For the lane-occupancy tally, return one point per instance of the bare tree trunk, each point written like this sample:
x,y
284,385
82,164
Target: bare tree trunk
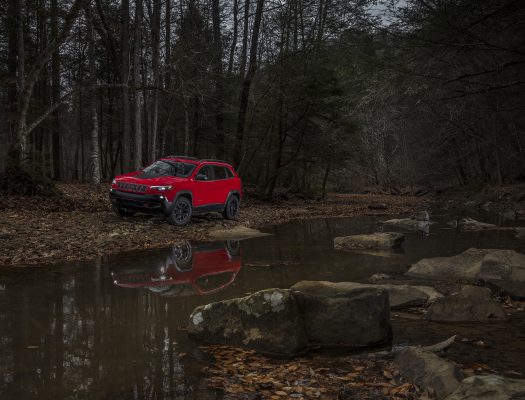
x,y
217,66
244,52
12,95
126,126
18,145
95,158
136,81
235,34
155,33
55,95
247,82
21,64
186,128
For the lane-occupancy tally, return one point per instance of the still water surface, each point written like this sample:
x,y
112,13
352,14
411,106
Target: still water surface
x,y
114,328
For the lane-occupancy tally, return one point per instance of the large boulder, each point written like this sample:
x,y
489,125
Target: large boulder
x,y
378,240
400,296
462,266
472,303
503,269
489,387
356,317
430,372
268,321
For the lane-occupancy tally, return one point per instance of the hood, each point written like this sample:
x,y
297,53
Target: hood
x,y
142,179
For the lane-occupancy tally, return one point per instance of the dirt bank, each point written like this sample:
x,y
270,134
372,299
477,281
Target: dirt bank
x,y
80,225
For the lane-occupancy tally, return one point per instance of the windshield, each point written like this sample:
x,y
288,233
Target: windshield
x,y
169,168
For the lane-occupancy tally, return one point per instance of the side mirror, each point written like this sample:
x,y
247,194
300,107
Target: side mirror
x,y
141,169
201,177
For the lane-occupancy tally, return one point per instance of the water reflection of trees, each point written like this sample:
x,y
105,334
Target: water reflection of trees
x,y
65,336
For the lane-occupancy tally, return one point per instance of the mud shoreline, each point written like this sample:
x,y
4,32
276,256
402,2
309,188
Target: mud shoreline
x,y
81,226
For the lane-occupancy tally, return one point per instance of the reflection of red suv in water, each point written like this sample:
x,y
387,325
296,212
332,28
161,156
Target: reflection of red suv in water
x,y
187,269
178,187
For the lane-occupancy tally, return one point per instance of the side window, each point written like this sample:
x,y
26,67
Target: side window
x,y
206,171
220,172
229,173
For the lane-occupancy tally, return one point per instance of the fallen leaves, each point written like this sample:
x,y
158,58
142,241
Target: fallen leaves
x,y
244,374
79,224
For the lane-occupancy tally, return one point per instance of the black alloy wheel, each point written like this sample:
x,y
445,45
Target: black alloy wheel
x,y
181,213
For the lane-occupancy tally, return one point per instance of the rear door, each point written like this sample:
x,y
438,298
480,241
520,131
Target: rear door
x,y
222,183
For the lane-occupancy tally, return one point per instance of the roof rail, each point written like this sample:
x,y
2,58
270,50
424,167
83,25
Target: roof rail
x,y
185,157
214,160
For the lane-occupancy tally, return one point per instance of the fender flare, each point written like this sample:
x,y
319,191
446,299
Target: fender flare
x,y
230,194
179,194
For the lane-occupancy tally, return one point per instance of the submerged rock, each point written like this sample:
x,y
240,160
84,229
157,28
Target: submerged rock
x,y
378,240
268,321
356,317
429,371
469,224
489,387
400,296
502,269
236,232
471,304
420,222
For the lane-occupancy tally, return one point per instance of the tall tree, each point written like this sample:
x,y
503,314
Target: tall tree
x,y
136,81
155,66
95,155
246,84
126,125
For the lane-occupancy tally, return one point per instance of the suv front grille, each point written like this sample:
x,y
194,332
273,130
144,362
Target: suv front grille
x,y
132,187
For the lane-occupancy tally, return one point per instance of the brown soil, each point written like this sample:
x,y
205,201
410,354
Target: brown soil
x,y
80,225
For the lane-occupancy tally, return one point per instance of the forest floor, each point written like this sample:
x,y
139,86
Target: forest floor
x,y
80,225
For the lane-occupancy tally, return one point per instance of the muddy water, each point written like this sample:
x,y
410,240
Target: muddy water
x,y
114,328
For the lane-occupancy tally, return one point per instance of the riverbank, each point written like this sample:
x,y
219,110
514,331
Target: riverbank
x,y
80,225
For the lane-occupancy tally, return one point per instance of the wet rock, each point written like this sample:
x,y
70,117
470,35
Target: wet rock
x,y
502,269
235,232
453,223
471,304
462,266
420,222
469,224
430,372
378,278
505,270
520,233
378,240
489,387
400,296
356,316
268,321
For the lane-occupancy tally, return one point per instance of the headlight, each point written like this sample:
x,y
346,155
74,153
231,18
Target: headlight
x,y
114,182
161,188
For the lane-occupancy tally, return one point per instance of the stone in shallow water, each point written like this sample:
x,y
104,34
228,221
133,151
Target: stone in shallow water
x,y
400,296
236,232
378,240
430,372
268,321
471,304
355,317
489,387
502,269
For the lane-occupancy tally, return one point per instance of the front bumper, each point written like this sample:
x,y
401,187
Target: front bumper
x,y
147,203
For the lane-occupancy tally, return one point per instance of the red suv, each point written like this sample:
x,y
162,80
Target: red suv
x,y
178,187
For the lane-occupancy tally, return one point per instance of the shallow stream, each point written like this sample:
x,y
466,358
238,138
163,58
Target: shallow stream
x,y
113,328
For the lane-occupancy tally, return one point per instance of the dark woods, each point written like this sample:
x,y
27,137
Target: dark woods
x,y
299,95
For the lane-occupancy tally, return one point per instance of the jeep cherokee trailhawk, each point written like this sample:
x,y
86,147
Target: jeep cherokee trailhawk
x,y
178,187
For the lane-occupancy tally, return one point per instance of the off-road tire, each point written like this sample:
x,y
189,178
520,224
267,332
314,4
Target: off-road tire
x,y
231,211
181,213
